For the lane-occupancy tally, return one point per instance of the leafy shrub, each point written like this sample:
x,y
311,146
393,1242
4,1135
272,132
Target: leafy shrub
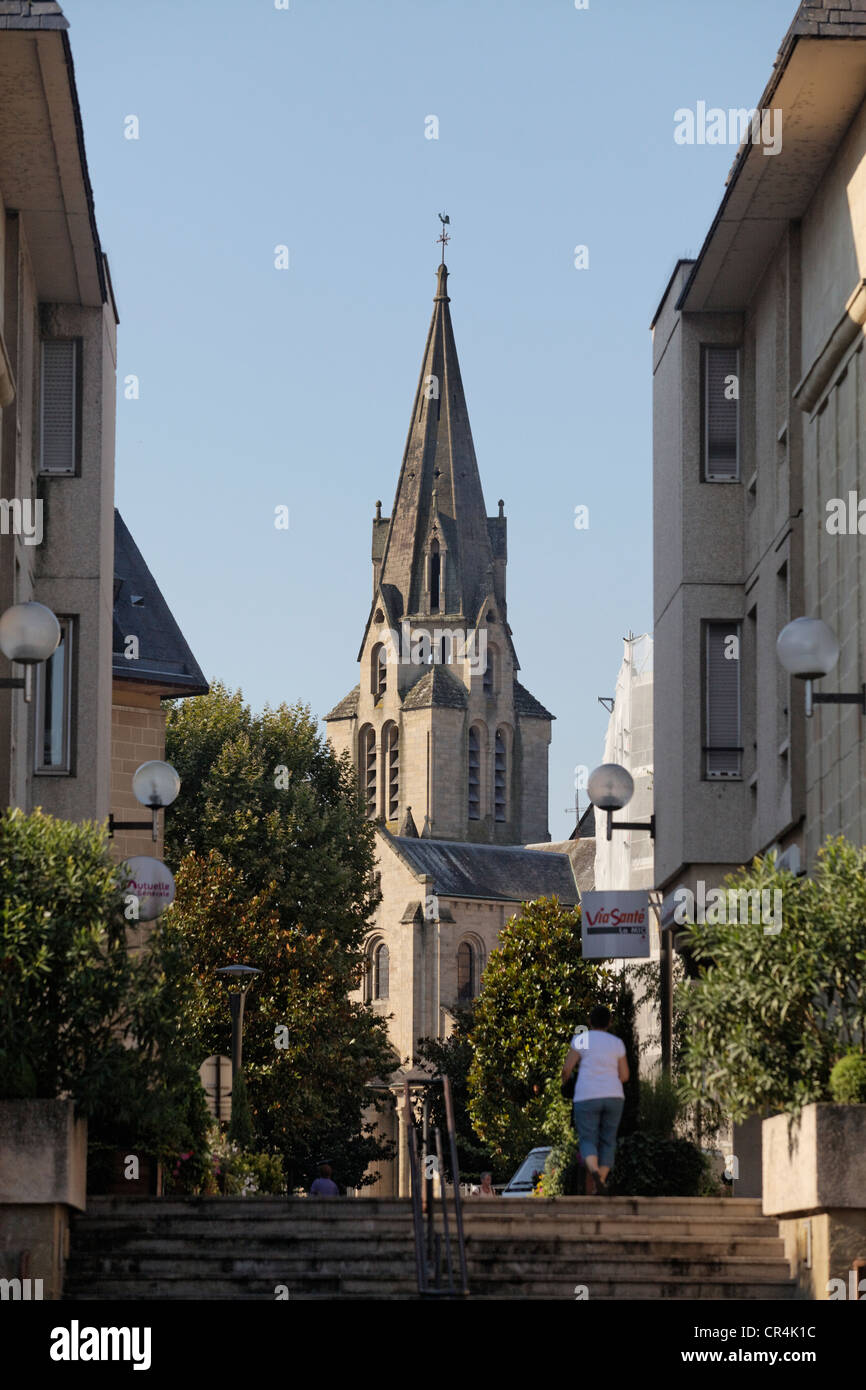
x,y
648,1166
658,1106
237,1172
848,1080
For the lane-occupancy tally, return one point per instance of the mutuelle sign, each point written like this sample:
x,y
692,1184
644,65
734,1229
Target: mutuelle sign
x,y
615,923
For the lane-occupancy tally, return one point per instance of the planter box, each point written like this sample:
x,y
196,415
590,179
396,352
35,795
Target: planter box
x,y
819,1165
43,1173
815,1183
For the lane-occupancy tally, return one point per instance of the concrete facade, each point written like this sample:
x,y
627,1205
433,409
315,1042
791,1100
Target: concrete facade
x,y
54,286
780,278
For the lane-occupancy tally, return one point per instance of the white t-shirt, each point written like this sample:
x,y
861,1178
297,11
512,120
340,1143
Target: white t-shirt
x,y
597,1074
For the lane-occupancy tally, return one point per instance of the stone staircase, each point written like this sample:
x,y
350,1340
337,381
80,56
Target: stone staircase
x,y
246,1248
603,1248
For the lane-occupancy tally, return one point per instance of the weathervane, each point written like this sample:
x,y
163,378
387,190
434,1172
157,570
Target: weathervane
x,y
444,238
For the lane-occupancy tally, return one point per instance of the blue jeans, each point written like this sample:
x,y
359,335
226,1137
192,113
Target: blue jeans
x,y
597,1122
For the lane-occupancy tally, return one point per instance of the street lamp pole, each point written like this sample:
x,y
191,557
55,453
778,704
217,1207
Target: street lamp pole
x,y
244,975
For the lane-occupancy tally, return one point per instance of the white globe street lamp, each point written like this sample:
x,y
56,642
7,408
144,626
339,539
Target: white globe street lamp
x,y
610,787
809,650
155,784
29,633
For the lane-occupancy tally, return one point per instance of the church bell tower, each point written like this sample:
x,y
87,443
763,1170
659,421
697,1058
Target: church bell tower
x,y
447,743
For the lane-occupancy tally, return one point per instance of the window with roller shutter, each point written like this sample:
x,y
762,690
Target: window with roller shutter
x,y
720,425
723,751
60,410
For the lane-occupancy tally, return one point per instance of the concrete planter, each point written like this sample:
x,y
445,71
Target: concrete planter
x,y
43,1174
814,1181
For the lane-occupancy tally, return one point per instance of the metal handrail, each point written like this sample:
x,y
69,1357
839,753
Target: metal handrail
x,y
428,1262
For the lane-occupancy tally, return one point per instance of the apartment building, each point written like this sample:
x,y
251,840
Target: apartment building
x,y
759,429
57,406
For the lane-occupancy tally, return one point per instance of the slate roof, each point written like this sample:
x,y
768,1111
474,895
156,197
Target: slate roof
x,y
502,873
527,705
437,689
826,19
348,706
585,828
31,14
140,610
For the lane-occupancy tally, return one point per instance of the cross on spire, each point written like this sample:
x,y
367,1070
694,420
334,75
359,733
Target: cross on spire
x,y
444,238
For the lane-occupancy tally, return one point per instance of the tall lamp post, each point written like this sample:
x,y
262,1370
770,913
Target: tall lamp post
x,y
243,975
29,633
610,788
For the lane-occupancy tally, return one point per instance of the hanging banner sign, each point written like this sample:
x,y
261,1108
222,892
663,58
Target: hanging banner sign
x,y
615,924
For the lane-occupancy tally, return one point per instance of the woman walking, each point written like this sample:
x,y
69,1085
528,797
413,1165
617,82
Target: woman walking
x,y
598,1095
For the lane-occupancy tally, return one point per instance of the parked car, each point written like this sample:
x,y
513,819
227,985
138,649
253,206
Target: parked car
x,y
524,1180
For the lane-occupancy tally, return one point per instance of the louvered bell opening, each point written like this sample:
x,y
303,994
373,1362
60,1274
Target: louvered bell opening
x,y
393,775
369,766
723,752
59,396
474,776
499,779
721,414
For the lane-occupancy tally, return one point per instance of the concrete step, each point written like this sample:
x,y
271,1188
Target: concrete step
x,y
619,1270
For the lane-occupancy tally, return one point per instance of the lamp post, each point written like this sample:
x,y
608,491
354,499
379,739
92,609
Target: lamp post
x,y
155,784
809,650
29,633
610,788
244,975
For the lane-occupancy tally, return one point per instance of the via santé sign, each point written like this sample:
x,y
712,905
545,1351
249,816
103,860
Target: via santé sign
x,y
615,924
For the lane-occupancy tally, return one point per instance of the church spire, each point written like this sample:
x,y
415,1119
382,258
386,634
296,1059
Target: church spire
x,y
437,553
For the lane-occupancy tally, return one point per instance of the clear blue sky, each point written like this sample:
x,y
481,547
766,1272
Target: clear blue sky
x,y
262,387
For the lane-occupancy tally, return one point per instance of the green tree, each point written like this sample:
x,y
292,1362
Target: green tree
x,y
537,989
772,1011
276,870
81,1015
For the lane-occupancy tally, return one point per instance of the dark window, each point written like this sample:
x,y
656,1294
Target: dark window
x,y
435,574
379,671
381,971
722,745
54,707
721,414
466,986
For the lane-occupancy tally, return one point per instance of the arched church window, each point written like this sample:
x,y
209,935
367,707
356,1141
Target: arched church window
x,y
467,973
474,774
490,671
381,971
391,741
435,576
379,670
500,777
367,768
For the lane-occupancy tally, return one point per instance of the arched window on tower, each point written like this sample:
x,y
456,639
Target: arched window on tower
x,y
474,774
435,576
367,768
467,973
500,777
381,971
391,745
490,671
378,670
